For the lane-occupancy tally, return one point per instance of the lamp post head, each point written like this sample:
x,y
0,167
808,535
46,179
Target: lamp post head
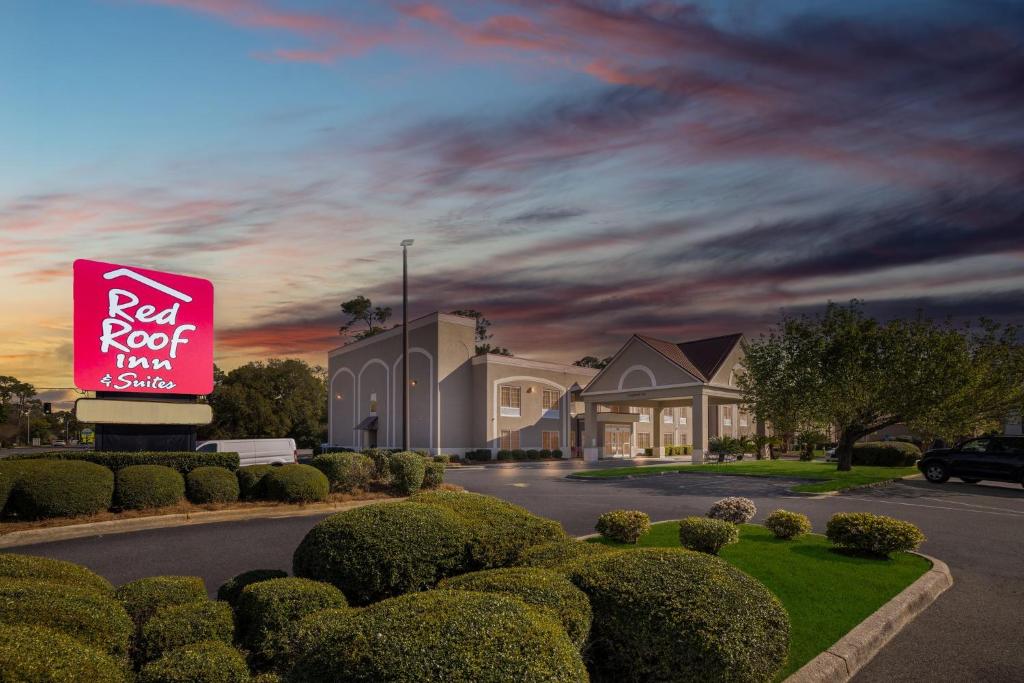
x,y
406,243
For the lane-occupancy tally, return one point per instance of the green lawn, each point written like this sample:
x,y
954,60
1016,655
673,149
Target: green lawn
x,y
828,478
825,593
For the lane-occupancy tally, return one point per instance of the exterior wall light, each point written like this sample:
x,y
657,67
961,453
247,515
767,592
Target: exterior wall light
x,y
412,383
339,396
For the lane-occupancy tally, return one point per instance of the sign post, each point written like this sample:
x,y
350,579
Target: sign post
x,y
143,342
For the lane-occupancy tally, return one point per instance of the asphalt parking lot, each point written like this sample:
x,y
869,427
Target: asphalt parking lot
x,y
971,633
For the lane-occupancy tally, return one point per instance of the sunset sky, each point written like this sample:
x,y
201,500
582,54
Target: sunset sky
x,y
577,170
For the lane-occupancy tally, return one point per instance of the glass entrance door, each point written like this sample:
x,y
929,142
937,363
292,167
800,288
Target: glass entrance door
x,y
617,441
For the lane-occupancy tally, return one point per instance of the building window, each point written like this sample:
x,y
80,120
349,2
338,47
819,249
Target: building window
x,y
743,420
643,439
682,420
509,439
646,414
668,440
373,404
667,417
550,403
511,401
727,416
549,441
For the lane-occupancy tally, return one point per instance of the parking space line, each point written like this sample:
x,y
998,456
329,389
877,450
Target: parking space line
x,y
1006,513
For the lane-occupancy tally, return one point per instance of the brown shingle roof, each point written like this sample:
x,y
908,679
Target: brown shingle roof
x,y
702,358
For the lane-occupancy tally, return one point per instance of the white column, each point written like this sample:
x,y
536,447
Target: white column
x,y
659,451
735,420
591,448
700,426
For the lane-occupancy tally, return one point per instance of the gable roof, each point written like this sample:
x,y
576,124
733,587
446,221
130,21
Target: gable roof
x,y
702,358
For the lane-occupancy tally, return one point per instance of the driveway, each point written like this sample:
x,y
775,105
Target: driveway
x,y
971,633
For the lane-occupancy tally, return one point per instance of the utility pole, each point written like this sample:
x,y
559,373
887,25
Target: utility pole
x,y
405,343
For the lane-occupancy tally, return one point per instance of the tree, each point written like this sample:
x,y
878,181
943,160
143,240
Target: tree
x,y
276,398
13,388
482,333
593,362
851,371
362,310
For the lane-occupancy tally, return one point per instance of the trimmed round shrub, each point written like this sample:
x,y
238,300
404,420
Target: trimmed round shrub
x,y
379,551
296,484
500,531
16,566
544,589
266,611
559,555
624,526
433,475
441,635
671,615
208,662
211,485
733,509
345,471
232,588
787,525
872,534
707,535
34,654
144,597
250,481
60,488
177,625
381,463
886,453
149,486
80,612
407,472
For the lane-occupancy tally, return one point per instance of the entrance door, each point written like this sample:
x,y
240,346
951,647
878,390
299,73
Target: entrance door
x,y
617,441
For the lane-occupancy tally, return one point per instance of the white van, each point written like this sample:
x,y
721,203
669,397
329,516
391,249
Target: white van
x,y
255,451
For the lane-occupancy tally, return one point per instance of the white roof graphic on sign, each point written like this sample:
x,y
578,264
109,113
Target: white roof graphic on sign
x,y
124,272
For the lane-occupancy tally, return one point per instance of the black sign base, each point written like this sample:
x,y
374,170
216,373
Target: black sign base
x,y
137,438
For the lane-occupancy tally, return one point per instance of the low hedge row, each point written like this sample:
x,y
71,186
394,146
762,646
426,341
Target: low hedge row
x,y
670,450
183,461
528,454
32,654
886,453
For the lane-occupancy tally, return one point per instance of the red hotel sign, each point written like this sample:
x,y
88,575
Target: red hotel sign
x,y
142,330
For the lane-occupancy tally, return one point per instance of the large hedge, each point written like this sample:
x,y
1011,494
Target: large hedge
x,y
441,635
144,597
675,615
872,534
149,486
501,532
206,662
267,611
173,626
183,461
15,566
34,654
561,555
407,472
346,471
886,453
296,484
383,550
211,485
80,612
544,589
250,481
232,588
53,488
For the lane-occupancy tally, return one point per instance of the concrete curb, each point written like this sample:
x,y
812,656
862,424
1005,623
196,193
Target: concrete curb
x,y
847,656
123,526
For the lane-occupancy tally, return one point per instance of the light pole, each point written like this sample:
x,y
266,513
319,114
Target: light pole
x,y
405,343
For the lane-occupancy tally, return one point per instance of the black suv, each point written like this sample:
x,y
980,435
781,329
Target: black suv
x,y
998,458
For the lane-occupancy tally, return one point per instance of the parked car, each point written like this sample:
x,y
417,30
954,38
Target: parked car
x,y
255,451
60,444
830,454
995,458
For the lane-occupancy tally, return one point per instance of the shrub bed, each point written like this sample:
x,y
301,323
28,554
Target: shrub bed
x,y
656,620
559,555
296,484
787,525
14,566
624,526
482,455
546,590
144,597
209,662
211,485
6,484
345,471
82,613
183,461
872,534
382,550
381,463
500,531
250,481
441,636
407,472
177,625
707,535
433,475
886,453
34,654
733,509
232,588
149,486
266,611
53,488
